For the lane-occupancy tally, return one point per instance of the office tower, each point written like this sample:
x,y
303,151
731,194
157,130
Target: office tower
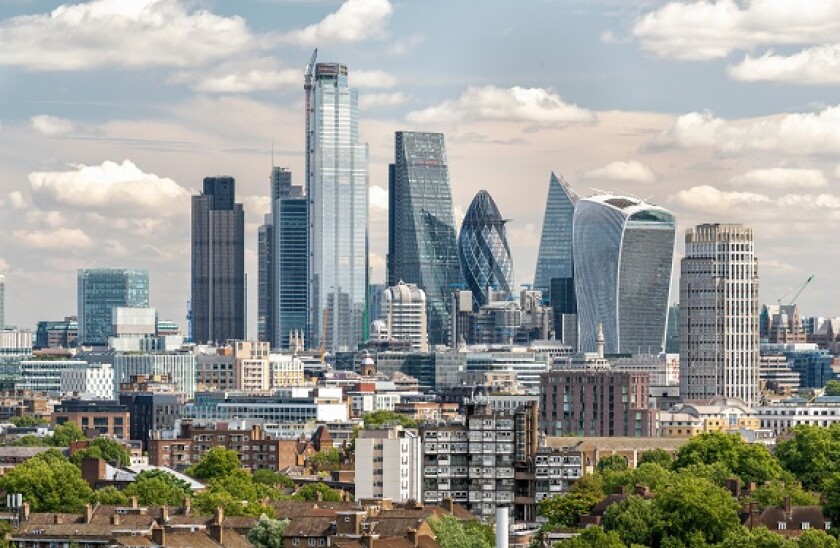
x,y
622,249
99,291
404,308
564,306
483,250
337,189
719,344
2,301
555,256
266,279
672,332
218,263
421,226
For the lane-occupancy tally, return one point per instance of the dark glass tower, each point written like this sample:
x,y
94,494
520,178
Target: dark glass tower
x,y
265,282
99,291
291,261
555,256
218,263
422,246
483,250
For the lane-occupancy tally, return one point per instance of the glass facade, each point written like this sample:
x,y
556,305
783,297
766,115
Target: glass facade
x,y
555,256
99,292
623,249
422,246
265,280
483,250
337,188
291,265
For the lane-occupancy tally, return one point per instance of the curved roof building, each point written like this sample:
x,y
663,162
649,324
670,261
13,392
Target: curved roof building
x,y
483,250
623,250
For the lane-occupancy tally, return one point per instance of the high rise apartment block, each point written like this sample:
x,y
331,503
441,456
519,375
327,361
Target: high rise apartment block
x,y
405,315
719,331
218,263
100,291
389,464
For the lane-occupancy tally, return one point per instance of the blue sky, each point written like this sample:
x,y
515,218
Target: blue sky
x,y
113,110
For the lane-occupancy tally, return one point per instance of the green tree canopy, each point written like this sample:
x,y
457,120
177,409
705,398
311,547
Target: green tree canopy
x,y
566,510
49,483
311,490
692,505
657,456
615,463
750,462
757,538
453,533
25,421
67,433
105,449
158,487
216,463
326,458
635,520
273,479
384,417
208,500
811,454
268,533
593,536
31,440
110,495
832,388
815,538
773,493
832,495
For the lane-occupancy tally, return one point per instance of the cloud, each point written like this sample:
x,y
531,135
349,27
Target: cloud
x,y
702,30
401,47
378,198
631,171
810,201
135,34
109,187
248,80
16,200
59,238
512,104
353,21
810,133
368,101
779,177
819,65
372,79
52,126
709,199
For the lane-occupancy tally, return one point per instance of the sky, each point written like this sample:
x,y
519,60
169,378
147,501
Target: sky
x,y
113,111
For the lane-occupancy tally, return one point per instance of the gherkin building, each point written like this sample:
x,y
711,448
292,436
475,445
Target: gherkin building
x,y
483,250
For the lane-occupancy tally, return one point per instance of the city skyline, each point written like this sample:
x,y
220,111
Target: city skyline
x,y
512,107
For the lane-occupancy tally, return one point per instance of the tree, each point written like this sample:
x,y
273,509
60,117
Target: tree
x,y
612,462
773,493
832,495
566,510
217,462
27,421
816,538
384,417
158,487
593,536
750,462
208,500
273,479
105,449
635,520
5,529
30,440
67,433
657,456
832,388
311,490
268,533
451,533
811,454
49,483
760,537
692,505
325,458
110,495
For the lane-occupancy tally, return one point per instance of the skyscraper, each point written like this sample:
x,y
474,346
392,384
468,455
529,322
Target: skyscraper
x,y
337,189
2,301
290,257
483,250
218,263
555,256
719,342
266,279
422,246
623,249
99,291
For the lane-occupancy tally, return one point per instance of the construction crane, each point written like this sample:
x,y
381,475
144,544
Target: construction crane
x,y
798,291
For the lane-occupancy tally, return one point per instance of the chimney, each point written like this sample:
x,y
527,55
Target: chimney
x,y
24,511
187,505
787,507
449,504
88,513
319,497
58,519
220,515
754,515
159,535
215,529
366,540
164,513
642,491
115,519
733,485
502,526
411,535
133,501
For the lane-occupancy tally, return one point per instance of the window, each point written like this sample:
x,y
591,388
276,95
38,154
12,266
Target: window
x,y
806,525
782,526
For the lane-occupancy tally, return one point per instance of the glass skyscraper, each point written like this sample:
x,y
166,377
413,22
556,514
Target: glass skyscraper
x,y
291,262
422,247
623,249
555,256
337,189
483,250
218,263
99,291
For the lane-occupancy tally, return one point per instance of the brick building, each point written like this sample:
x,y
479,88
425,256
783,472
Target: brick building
x,y
95,417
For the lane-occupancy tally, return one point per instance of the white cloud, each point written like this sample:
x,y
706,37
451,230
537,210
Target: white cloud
x,y
52,126
401,47
244,81
369,101
353,21
59,238
512,104
109,187
256,208
135,33
631,171
817,65
702,30
709,199
372,79
16,200
377,198
810,133
779,177
810,201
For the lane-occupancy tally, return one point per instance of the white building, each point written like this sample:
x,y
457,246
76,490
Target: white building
x,y
404,308
95,381
44,375
179,366
784,416
527,366
389,464
719,314
15,342
129,326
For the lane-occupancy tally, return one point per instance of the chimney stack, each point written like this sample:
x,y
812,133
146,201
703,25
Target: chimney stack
x,y
502,526
787,507
133,501
159,535
88,513
187,505
115,519
164,513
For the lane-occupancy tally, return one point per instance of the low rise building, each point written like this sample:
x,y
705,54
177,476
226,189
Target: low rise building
x,y
717,415
94,381
782,417
95,417
290,405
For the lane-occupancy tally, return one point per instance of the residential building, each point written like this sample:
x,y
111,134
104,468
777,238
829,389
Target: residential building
x,y
404,313
337,190
180,367
719,335
422,246
94,381
389,464
100,290
484,253
95,417
217,310
623,249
